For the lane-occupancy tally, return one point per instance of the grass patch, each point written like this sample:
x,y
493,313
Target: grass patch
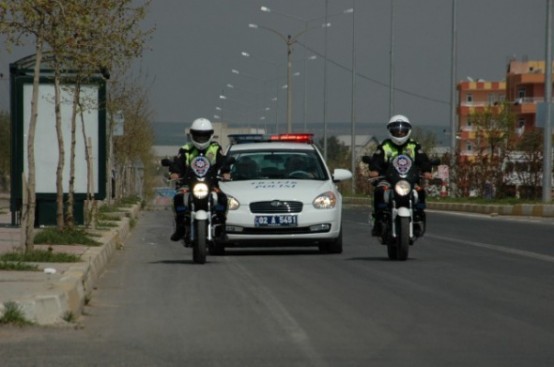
x,y
103,216
129,200
53,236
40,256
108,209
106,225
69,317
18,265
13,315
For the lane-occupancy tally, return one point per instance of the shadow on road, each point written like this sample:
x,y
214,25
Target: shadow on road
x,y
271,252
174,262
374,258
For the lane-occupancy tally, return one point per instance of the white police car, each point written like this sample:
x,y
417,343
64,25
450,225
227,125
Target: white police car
x,y
282,194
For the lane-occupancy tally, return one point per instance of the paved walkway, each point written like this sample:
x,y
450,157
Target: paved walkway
x,y
58,290
9,236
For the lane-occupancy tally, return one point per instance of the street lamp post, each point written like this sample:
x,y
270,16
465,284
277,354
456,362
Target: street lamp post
x,y
289,41
276,79
248,55
304,116
453,125
353,104
391,61
547,160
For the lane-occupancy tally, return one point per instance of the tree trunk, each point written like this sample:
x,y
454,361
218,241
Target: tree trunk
x,y
70,221
29,221
61,152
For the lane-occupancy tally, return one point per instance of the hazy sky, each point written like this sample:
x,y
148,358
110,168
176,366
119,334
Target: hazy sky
x,y
198,42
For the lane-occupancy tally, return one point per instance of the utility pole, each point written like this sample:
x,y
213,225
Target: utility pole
x,y
547,160
453,125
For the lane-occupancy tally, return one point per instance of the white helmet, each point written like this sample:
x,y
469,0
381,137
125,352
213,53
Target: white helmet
x,y
399,128
201,133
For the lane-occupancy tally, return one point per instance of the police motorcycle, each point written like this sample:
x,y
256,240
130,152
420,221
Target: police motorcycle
x,y
202,225
403,219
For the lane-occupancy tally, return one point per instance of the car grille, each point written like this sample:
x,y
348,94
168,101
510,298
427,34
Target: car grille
x,y
276,206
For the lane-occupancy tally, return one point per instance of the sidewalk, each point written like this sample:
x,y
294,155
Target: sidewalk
x,y
52,296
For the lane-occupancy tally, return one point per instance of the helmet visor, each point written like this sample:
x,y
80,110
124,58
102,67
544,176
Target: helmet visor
x,y
201,136
399,129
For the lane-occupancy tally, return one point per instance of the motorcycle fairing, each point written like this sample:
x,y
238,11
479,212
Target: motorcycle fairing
x,y
200,165
402,163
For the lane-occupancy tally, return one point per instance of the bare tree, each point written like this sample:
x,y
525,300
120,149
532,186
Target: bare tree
x,y
103,34
525,164
494,129
133,101
19,19
84,36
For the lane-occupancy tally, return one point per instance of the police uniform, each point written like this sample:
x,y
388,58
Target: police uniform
x,y
180,165
381,159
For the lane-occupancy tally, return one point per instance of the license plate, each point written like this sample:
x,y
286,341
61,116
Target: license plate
x,y
275,220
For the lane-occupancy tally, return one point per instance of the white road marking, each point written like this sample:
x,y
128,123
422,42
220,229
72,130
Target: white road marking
x,y
506,250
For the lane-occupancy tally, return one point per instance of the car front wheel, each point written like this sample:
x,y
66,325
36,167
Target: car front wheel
x,y
334,247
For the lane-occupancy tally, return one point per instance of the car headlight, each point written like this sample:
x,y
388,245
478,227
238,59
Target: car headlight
x,y
232,203
327,200
200,190
402,187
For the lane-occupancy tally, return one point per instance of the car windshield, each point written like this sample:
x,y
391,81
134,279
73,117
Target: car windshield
x,y
275,164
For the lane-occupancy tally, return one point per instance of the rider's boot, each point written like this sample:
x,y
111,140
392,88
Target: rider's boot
x,y
377,229
179,227
419,222
221,219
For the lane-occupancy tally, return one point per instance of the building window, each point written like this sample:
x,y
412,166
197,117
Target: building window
x,y
521,93
469,147
492,99
469,98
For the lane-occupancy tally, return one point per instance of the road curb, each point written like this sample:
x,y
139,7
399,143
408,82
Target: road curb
x,y
64,296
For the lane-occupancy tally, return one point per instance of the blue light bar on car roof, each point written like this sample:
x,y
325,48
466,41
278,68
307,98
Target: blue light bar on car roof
x,y
245,138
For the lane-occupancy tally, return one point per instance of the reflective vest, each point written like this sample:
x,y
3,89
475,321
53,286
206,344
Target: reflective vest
x,y
191,152
392,150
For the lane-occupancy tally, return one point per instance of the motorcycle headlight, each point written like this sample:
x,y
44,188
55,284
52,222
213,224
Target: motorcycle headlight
x,y
327,200
402,187
200,190
232,203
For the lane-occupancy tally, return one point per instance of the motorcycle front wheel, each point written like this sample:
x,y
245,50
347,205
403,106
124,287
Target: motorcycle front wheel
x,y
399,247
200,243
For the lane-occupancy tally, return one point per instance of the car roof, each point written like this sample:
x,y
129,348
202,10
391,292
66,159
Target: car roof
x,y
271,146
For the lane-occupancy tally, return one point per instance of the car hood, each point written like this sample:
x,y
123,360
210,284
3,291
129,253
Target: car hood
x,y
266,190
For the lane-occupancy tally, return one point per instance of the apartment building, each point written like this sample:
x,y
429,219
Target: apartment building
x,y
474,97
523,89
